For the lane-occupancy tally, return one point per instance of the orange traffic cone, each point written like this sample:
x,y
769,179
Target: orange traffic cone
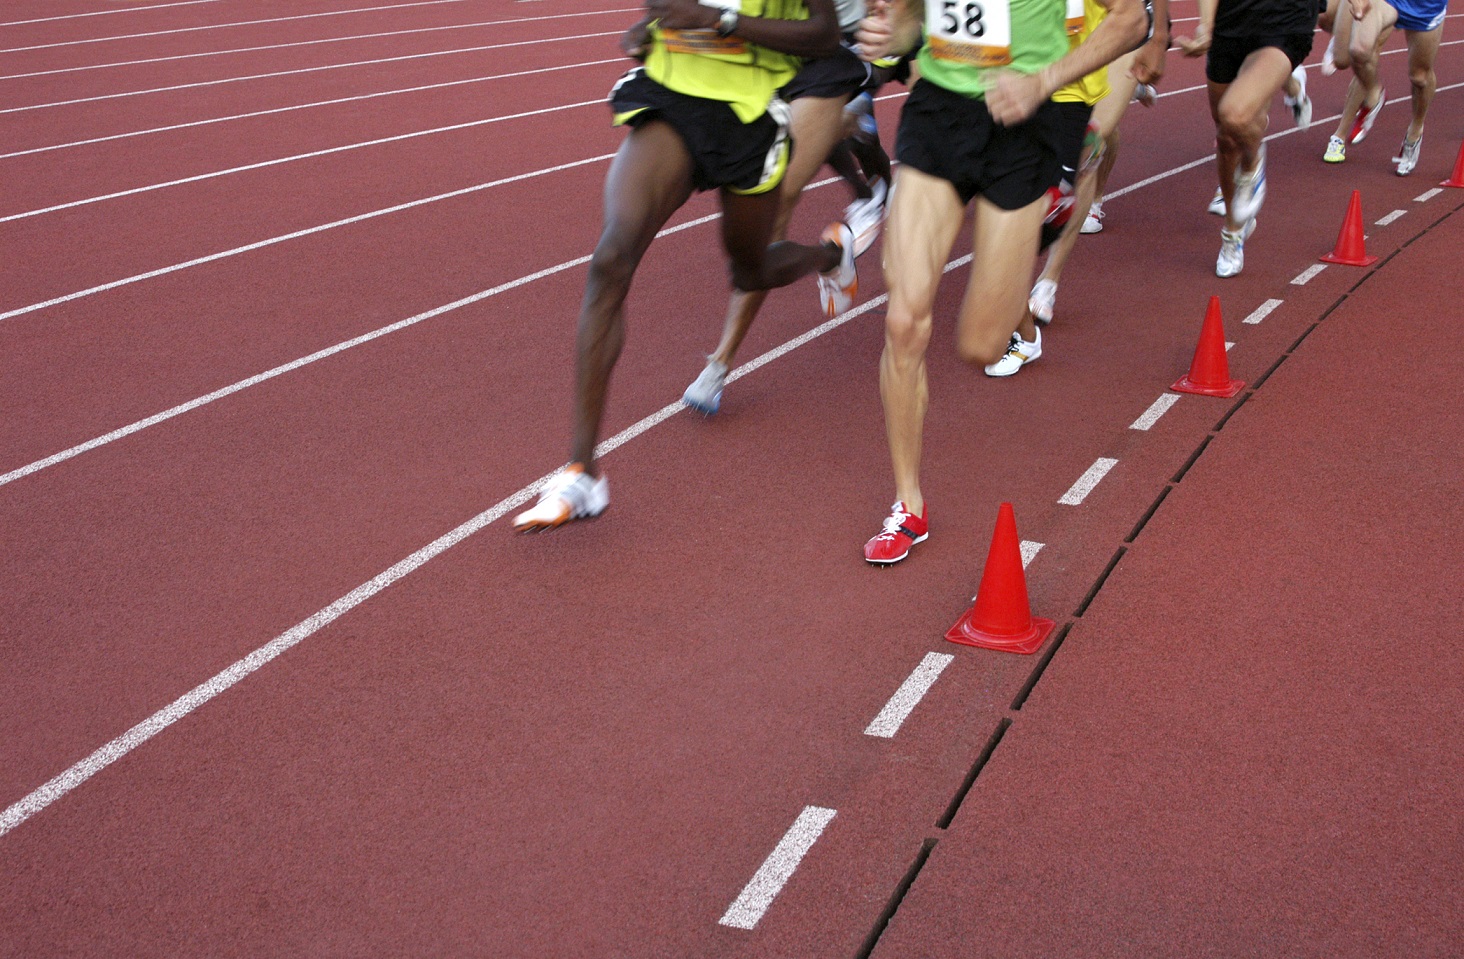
x,y
1001,618
1458,178
1209,372
1351,250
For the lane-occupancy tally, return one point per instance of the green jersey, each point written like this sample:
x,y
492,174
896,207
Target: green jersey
x,y
743,75
966,39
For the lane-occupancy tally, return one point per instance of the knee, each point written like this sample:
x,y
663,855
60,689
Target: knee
x,y
981,350
1231,125
614,261
907,334
1422,78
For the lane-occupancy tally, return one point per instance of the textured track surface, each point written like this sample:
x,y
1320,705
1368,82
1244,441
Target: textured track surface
x,y
588,742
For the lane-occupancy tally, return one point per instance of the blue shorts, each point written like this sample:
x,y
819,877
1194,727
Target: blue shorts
x,y
1420,16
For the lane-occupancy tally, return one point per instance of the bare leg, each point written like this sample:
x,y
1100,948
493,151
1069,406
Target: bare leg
x,y
1368,36
1423,49
648,181
1239,109
925,216
816,126
1003,255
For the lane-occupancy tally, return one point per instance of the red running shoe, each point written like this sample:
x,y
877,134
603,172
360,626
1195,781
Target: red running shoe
x,y
902,530
1366,117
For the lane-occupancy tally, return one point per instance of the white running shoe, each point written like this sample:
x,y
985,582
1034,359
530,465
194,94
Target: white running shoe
x,y
1250,190
1145,94
1232,250
837,287
571,494
1217,203
1019,353
1094,221
865,217
1407,157
705,393
1301,105
1042,300
1329,62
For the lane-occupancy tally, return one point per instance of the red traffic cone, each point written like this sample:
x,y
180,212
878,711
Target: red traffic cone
x,y
1000,618
1350,249
1209,372
1458,178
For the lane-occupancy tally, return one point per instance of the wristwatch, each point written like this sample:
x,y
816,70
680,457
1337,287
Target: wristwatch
x,y
727,22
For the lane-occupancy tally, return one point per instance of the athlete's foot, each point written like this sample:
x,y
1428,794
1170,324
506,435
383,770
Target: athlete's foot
x,y
1093,223
1019,353
1329,61
1044,297
1407,157
1301,105
902,530
1217,203
571,494
1367,116
705,393
1250,190
1232,250
1336,150
838,286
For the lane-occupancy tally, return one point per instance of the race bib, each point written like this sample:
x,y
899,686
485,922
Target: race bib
x,y
977,33
705,42
1074,17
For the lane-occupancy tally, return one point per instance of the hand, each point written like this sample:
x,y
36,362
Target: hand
x,y
1148,65
1013,97
683,14
633,42
1197,45
875,34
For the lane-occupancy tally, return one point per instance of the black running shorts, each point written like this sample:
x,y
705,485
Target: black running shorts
x,y
1222,64
745,158
841,74
947,135
1072,131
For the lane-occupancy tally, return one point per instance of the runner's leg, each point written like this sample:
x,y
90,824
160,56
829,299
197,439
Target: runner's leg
x,y
1004,252
649,179
1423,50
925,216
1240,109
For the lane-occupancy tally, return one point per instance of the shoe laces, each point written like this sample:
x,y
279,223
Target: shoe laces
x,y
893,522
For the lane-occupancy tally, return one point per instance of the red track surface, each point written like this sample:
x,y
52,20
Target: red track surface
x,y
587,743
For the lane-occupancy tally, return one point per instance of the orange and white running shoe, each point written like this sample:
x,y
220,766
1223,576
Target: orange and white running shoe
x,y
571,494
838,286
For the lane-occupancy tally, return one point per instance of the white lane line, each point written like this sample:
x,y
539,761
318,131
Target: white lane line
x,y
1308,274
103,13
1391,217
1428,195
908,696
1262,311
329,351
280,46
308,231
290,109
79,773
290,73
777,869
302,16
1156,409
1229,347
1087,482
1030,550
265,164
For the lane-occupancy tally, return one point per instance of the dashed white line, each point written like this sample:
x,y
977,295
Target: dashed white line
x,y
1229,347
908,696
1030,551
1306,275
1087,482
1262,311
1428,195
777,869
1391,217
1156,409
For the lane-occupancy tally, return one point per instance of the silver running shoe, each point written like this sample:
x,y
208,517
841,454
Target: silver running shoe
x,y
1407,157
1250,190
1217,203
705,394
1232,250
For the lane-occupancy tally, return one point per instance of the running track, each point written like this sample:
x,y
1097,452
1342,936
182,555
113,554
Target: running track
x,y
287,323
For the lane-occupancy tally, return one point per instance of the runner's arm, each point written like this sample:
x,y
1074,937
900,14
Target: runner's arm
x,y
1197,45
1148,65
891,29
818,36
1014,97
